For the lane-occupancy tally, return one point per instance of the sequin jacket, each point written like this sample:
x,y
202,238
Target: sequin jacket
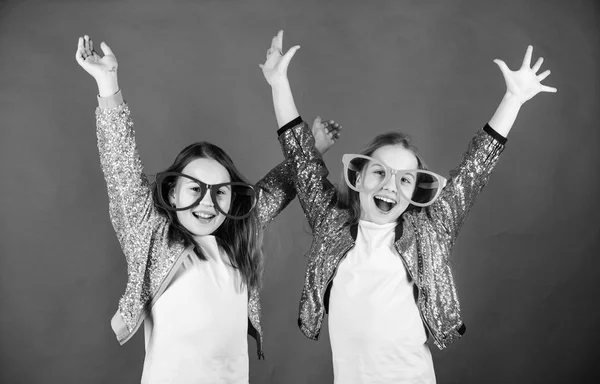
x,y
423,239
142,230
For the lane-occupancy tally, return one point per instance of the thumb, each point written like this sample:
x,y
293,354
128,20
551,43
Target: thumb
x,y
106,49
502,65
285,60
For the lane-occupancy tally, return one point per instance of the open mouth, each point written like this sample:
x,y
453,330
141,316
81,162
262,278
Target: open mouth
x,y
385,204
204,217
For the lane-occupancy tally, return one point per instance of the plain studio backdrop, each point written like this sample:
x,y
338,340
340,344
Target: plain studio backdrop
x,y
526,262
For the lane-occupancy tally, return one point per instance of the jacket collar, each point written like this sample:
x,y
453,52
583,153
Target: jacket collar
x,y
398,230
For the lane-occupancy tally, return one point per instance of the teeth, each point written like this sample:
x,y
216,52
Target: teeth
x,y
386,199
204,215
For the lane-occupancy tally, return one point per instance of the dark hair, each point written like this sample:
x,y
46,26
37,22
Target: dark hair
x,y
240,239
348,198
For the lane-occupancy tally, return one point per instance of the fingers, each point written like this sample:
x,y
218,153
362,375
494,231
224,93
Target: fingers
x,y
106,49
79,53
279,41
548,89
537,65
543,75
503,67
86,45
276,44
527,58
334,129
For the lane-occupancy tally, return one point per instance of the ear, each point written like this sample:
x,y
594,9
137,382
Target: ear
x,y
172,196
358,180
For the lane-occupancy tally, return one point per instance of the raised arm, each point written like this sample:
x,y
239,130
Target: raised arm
x,y
131,208
469,178
276,189
315,192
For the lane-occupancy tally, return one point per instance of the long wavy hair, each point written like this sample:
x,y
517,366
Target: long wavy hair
x,y
349,199
240,239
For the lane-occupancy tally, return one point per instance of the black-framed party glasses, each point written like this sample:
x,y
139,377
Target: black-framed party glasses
x,y
240,197
418,186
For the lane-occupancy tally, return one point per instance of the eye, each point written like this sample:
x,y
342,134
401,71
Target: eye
x,y
406,180
196,189
222,191
379,172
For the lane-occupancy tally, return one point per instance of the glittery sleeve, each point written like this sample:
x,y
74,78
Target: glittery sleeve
x,y
131,208
466,182
276,191
315,192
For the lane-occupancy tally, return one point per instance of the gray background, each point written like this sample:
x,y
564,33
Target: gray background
x,y
526,263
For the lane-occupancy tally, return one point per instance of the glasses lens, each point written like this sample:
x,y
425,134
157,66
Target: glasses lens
x,y
427,187
364,174
189,191
234,200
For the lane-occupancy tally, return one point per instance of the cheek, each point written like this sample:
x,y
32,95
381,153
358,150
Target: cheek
x,y
408,190
184,198
371,181
219,222
224,203
185,219
401,207
365,202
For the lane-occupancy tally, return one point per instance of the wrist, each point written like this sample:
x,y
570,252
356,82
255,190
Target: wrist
x,y
281,85
108,85
512,100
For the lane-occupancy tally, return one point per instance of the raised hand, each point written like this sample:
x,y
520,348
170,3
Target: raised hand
x,y
325,133
524,83
102,69
276,65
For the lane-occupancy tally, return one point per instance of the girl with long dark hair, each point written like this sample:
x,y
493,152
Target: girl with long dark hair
x,y
192,241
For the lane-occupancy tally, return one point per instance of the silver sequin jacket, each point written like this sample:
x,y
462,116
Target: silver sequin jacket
x,y
423,240
142,230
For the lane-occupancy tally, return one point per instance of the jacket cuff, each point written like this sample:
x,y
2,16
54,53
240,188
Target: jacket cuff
x,y
498,137
290,125
111,101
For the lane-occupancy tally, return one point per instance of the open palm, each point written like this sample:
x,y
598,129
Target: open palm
x,y
91,61
524,83
276,65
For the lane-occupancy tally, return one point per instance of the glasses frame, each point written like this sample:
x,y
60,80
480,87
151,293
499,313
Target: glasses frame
x,y
213,188
346,158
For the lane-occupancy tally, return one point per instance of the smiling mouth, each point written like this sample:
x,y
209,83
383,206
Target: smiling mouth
x,y
384,204
204,216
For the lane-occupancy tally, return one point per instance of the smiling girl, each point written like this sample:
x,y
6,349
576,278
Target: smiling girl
x,y
192,241
379,260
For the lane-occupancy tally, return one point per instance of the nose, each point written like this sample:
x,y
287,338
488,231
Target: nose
x,y
390,185
207,199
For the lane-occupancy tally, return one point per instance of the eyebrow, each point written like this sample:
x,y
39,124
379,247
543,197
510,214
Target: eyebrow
x,y
193,180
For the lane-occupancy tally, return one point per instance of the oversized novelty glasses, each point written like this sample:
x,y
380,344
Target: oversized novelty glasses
x,y
235,200
366,174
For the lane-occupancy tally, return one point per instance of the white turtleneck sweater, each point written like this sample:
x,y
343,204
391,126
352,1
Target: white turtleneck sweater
x,y
197,329
376,332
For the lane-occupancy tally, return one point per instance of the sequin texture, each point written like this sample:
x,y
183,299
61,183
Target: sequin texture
x,y
424,243
142,230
